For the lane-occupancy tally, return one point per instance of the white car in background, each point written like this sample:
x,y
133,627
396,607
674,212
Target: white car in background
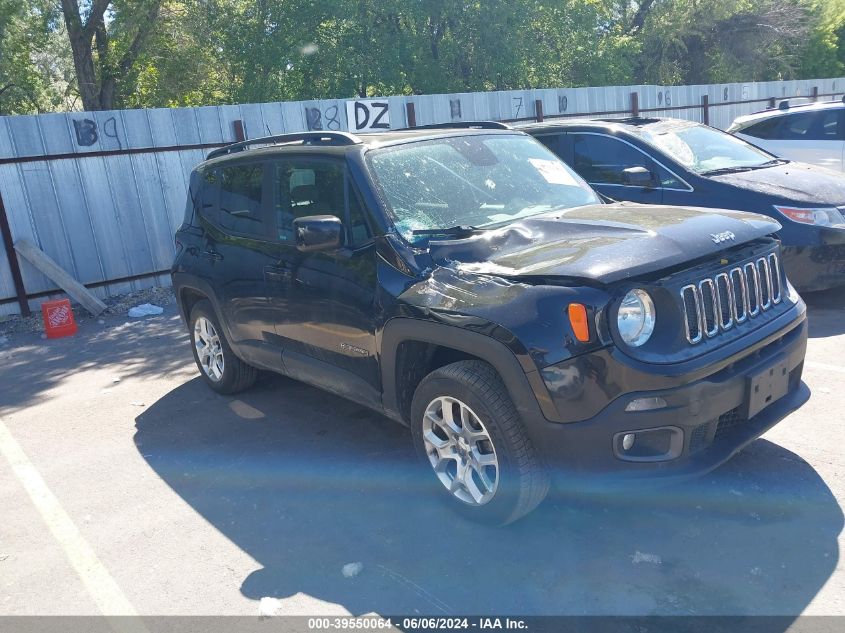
x,y
807,132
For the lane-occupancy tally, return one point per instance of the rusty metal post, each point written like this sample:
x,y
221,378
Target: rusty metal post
x,y
239,130
412,114
538,108
705,109
12,256
635,104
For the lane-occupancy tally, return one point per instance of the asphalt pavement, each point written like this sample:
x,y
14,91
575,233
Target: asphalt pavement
x,y
127,486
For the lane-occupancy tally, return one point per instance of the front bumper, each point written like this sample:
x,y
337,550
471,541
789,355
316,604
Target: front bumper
x,y
710,414
819,266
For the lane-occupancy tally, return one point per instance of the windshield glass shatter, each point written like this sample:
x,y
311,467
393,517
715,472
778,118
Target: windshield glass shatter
x,y
703,149
479,181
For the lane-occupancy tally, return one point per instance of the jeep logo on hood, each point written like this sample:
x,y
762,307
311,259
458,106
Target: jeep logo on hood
x,y
726,236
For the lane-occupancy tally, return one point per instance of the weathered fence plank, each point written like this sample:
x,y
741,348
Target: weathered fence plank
x,y
66,282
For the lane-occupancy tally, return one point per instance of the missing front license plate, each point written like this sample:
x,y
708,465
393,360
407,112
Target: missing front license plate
x,y
767,386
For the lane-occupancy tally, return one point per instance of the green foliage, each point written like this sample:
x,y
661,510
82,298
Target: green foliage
x,y
825,55
197,52
33,64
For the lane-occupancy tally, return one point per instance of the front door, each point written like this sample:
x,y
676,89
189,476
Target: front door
x,y
324,303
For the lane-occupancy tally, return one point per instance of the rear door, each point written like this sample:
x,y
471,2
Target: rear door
x,y
323,303
238,247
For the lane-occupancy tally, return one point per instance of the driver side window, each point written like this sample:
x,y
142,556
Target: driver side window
x,y
309,187
601,160
305,188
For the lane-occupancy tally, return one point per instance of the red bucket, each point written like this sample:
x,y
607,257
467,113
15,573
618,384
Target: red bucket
x,y
58,318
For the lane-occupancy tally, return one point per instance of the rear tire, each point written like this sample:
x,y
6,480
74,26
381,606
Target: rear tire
x,y
470,437
221,369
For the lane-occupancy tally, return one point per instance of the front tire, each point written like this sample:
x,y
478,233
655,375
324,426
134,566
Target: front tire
x,y
469,435
220,368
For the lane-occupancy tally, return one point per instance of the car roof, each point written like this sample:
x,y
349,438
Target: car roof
x,y
789,109
335,143
630,124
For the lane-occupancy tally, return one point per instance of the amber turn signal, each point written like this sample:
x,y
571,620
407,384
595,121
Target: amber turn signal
x,y
578,319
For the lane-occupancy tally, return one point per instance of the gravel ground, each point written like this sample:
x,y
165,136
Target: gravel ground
x,y
117,306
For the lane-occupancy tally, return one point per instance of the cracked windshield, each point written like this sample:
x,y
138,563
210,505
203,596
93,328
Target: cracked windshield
x,y
480,181
705,150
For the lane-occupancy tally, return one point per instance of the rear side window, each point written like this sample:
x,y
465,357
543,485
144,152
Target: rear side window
x,y
797,127
602,160
240,208
210,195
823,125
192,204
766,129
552,141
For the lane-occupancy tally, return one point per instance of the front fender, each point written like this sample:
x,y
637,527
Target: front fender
x,y
518,372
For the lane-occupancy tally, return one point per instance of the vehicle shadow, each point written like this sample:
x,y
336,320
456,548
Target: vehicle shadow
x,y
826,311
307,483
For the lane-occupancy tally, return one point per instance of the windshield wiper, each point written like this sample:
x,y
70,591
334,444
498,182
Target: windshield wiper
x,y
739,168
461,230
774,161
726,170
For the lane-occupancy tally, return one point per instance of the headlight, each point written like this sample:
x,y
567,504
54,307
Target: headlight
x,y
635,318
821,216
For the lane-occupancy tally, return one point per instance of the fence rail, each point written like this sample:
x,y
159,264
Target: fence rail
x,y
103,192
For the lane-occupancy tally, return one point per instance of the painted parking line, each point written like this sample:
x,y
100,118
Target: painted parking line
x,y
94,575
814,365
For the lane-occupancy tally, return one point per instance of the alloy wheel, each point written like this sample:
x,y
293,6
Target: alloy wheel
x,y
209,349
460,450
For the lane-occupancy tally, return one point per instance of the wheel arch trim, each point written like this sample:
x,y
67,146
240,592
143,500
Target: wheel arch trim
x,y
203,288
526,388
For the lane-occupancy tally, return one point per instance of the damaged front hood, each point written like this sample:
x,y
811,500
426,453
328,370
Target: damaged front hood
x,y
602,243
795,182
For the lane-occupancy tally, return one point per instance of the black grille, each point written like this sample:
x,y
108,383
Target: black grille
x,y
775,278
765,288
725,300
729,421
715,304
698,438
752,281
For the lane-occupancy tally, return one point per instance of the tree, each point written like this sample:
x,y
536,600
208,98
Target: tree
x,y
105,46
32,67
710,41
160,53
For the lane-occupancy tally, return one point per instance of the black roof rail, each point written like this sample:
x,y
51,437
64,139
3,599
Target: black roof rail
x,y
307,138
471,125
793,102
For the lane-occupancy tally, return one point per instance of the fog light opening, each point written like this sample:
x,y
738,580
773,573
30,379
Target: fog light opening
x,y
649,445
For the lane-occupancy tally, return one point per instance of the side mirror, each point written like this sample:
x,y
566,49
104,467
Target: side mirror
x,y
638,177
318,233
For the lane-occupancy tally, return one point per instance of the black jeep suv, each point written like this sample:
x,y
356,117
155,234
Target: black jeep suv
x,y
468,284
